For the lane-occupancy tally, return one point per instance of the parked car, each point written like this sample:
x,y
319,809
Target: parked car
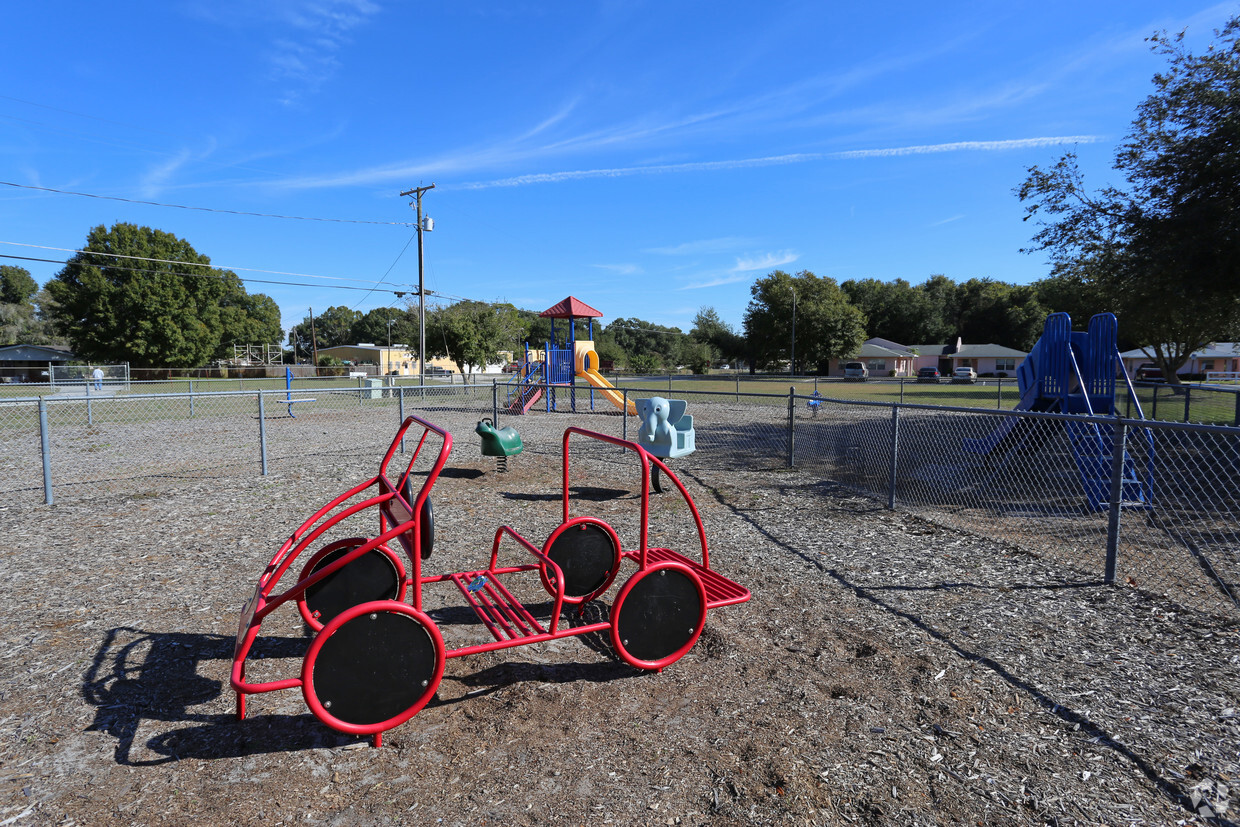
x,y
1149,372
511,367
964,374
436,369
927,374
856,370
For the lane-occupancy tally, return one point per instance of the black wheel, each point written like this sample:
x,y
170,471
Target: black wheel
x,y
373,667
587,551
658,615
426,523
376,575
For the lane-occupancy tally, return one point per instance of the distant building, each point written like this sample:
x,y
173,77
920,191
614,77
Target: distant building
x,y
1216,357
881,356
31,363
988,359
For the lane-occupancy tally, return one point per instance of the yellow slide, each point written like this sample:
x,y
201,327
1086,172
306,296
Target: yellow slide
x,y
606,388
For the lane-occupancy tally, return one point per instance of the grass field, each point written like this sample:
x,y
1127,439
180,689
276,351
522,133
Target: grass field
x,y
1166,403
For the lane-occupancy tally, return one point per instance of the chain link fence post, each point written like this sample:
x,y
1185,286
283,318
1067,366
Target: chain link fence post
x,y
792,391
1118,445
262,433
191,399
45,444
999,395
624,416
1188,392
401,413
738,390
895,457
495,402
90,410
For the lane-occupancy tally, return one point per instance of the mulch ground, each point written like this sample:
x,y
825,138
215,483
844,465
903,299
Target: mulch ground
x,y
888,670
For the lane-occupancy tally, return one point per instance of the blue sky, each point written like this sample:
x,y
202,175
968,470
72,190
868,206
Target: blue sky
x,y
650,158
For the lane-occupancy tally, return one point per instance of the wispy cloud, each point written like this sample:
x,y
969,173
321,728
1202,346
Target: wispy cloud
x,y
306,35
766,261
654,169
966,146
717,281
159,176
943,221
743,269
778,160
702,247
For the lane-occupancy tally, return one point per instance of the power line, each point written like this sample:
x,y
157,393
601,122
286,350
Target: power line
x,y
202,275
389,269
206,209
173,261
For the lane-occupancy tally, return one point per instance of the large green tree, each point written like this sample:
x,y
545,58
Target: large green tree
x,y
828,326
724,342
147,297
16,285
21,317
472,333
647,346
1162,251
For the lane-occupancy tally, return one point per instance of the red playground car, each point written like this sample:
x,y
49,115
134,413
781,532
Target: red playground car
x,y
376,658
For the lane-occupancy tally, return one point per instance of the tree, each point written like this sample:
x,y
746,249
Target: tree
x,y
710,329
16,285
1164,251
472,333
655,346
147,297
827,325
20,320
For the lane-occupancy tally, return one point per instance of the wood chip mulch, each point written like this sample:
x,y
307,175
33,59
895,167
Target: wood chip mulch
x,y
888,670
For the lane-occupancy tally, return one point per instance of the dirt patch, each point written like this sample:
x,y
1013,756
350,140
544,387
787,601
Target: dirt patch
x,y
887,671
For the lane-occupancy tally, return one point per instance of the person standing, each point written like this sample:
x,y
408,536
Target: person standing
x,y
98,376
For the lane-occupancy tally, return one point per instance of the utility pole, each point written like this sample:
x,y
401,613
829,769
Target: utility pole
x,y
416,192
314,345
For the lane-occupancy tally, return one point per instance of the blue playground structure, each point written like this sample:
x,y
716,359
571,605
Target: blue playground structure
x,y
1075,373
563,365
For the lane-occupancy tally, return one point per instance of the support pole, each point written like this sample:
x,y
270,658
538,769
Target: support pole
x,y
1118,441
402,416
45,444
262,433
792,392
893,465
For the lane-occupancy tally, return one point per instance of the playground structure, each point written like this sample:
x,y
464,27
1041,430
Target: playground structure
x,y
1075,373
376,657
562,365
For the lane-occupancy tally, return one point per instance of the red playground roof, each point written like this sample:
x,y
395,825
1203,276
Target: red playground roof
x,y
571,308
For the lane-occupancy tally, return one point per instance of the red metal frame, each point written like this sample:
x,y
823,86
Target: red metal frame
x,y
508,621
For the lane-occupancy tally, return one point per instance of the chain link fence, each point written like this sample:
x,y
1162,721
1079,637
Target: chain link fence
x,y
1151,505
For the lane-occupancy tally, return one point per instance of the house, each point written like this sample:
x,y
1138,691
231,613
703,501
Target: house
x,y
1215,357
881,356
988,359
31,363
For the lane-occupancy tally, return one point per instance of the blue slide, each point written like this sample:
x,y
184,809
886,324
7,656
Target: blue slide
x,y
1075,373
